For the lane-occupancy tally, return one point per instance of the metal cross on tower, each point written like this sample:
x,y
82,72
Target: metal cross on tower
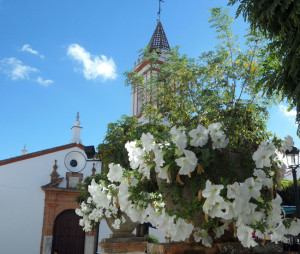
x,y
159,8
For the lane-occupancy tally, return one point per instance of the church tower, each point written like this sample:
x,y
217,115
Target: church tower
x,y
159,42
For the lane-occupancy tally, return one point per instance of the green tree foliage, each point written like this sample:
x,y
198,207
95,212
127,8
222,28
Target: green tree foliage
x,y
112,149
279,20
287,192
218,86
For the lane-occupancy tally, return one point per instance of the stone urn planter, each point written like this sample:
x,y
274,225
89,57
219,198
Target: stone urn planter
x,y
125,229
122,240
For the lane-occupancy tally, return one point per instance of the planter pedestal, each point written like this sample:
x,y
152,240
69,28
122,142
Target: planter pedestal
x,y
136,245
218,248
179,248
122,240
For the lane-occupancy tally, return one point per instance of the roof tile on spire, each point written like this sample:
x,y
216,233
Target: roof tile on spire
x,y
159,39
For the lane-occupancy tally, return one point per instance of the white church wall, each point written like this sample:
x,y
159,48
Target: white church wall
x,y
22,199
104,232
290,176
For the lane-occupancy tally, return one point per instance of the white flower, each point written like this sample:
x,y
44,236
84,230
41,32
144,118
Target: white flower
x,y
218,136
130,146
99,196
224,210
115,173
144,169
261,158
238,204
215,129
233,190
262,178
85,208
158,156
216,209
149,215
249,215
182,230
274,216
244,234
294,228
123,196
219,231
251,188
137,157
204,236
279,233
179,138
165,222
96,214
78,212
212,192
93,187
134,214
199,136
86,224
163,172
287,144
107,214
219,141
188,163
148,141
262,155
197,236
116,223
89,200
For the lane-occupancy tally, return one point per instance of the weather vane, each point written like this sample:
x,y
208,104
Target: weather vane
x,y
159,9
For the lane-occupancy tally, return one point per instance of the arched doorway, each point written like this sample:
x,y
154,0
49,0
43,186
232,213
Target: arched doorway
x,y
68,236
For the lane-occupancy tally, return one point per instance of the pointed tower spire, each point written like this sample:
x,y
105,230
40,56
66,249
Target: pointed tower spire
x,y
159,42
76,129
159,39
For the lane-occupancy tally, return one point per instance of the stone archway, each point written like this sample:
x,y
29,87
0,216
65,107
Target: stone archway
x,y
57,200
68,236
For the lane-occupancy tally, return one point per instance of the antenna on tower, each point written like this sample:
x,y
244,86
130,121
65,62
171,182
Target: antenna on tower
x,y
159,9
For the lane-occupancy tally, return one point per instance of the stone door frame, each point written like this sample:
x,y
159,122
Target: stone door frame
x,y
58,200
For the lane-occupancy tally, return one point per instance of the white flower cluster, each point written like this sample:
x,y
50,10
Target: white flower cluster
x,y
101,203
154,214
218,136
200,136
84,212
140,157
239,208
243,204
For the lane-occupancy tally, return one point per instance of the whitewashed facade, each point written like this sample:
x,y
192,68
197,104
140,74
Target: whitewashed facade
x,y
22,195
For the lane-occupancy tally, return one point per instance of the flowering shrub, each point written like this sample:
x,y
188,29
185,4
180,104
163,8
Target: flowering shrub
x,y
101,203
202,179
191,195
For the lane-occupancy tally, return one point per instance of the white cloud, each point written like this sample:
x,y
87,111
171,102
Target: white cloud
x,y
291,113
93,66
43,82
15,69
27,48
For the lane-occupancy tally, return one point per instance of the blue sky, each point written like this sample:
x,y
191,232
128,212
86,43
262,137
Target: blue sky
x,y
61,57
